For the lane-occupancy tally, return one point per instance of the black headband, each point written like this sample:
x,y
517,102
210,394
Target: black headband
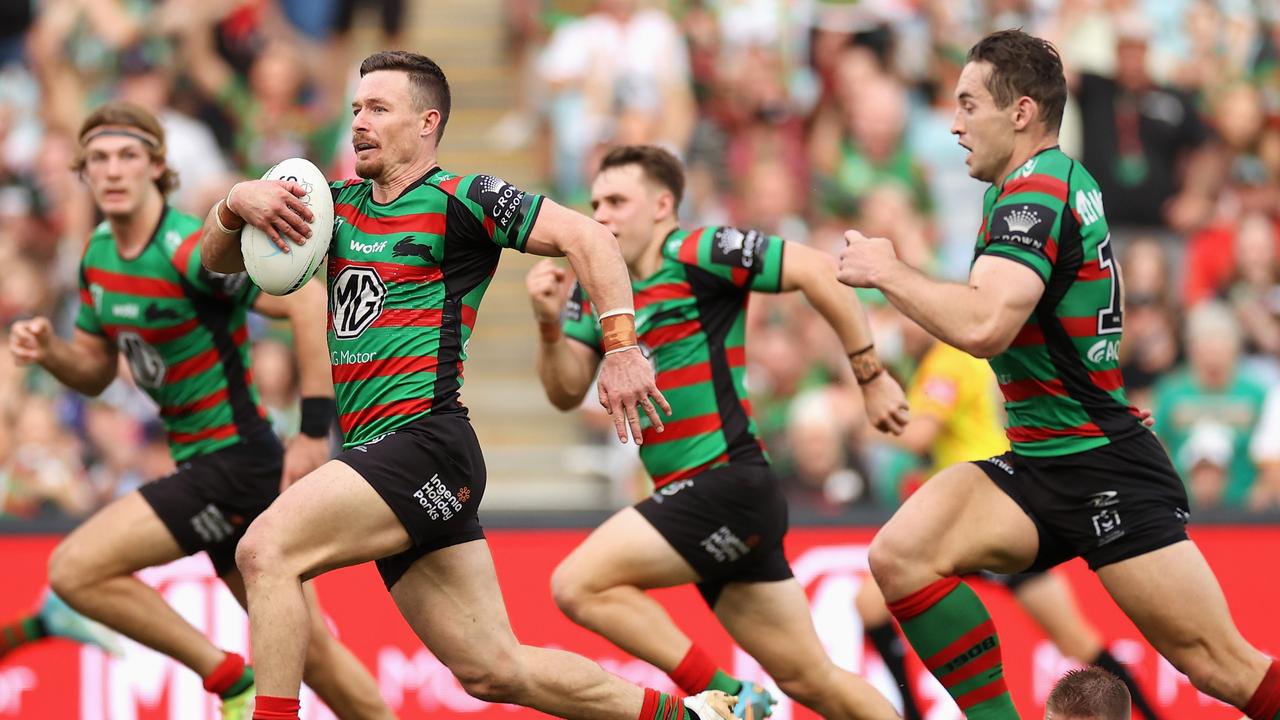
x,y
147,138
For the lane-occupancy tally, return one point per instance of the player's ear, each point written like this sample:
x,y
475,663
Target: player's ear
x,y
1025,112
430,122
665,207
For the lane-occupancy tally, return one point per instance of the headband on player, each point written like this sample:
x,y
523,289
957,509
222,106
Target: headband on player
x,y
147,138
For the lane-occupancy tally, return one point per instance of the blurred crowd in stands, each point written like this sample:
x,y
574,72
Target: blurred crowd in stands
x,y
797,117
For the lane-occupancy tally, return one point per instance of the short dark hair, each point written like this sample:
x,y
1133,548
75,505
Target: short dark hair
x,y
1023,64
425,77
1091,693
658,165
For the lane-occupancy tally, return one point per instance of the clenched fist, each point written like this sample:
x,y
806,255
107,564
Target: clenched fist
x,y
864,258
549,286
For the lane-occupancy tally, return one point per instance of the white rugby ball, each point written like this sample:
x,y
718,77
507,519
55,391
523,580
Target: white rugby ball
x,y
278,272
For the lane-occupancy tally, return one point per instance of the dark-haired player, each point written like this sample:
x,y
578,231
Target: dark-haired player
x,y
182,329
717,516
409,261
1084,477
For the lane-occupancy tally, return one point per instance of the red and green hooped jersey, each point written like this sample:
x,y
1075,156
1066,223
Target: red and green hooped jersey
x,y
405,282
690,317
1061,375
182,329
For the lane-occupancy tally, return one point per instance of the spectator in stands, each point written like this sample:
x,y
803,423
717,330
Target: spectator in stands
x,y
1254,291
1088,694
1212,388
817,474
1150,348
1145,143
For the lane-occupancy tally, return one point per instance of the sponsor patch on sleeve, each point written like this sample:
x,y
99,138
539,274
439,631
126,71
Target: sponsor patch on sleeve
x,y
503,203
573,308
1026,225
737,248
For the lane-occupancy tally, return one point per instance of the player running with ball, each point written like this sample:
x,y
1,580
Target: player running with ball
x,y
143,293
1085,477
408,265
717,517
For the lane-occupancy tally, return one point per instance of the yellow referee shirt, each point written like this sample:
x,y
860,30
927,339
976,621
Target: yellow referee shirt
x,y
959,391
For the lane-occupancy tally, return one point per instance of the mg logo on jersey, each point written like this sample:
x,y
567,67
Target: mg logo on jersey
x,y
355,301
144,361
1104,351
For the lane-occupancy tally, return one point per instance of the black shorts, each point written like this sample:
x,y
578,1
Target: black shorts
x,y
209,501
728,523
431,474
1106,505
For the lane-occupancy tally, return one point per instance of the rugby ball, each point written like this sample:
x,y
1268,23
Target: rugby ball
x,y
278,272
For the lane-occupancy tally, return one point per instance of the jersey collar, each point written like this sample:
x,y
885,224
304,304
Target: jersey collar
x,y
1028,166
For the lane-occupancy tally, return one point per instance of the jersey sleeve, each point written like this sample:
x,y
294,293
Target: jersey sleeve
x,y
1024,222
578,320
936,389
745,258
234,288
505,213
87,315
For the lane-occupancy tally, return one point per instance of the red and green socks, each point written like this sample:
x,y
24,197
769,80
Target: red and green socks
x,y
230,678
697,672
952,632
22,632
1265,703
275,708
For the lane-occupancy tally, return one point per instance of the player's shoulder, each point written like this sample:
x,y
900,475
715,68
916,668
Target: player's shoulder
x,y
349,187
714,244
1048,174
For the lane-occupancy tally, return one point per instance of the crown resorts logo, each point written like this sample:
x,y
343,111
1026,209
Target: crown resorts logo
x,y
1021,220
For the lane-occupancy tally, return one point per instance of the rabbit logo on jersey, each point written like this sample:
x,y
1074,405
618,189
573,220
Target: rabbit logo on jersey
x,y
356,297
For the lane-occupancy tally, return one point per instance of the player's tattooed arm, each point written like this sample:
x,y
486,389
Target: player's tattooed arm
x,y
86,364
814,274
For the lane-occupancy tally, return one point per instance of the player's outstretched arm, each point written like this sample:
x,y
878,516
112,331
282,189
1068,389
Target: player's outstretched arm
x,y
87,364
307,315
814,274
982,318
626,378
272,206
565,367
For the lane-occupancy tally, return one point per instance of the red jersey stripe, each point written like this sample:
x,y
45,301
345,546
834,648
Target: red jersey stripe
x,y
1108,380
182,256
680,377
451,185
392,272
668,478
681,429
1045,184
431,223
663,292
349,372
656,337
211,400
154,336
689,247
221,432
192,366
1032,434
411,406
408,317
132,284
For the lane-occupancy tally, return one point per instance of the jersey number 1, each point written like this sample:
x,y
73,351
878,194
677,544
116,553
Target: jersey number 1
x,y
1111,317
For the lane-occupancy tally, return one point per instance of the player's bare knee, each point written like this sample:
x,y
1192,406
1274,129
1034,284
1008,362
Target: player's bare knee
x,y
496,679
69,571
258,554
889,561
569,591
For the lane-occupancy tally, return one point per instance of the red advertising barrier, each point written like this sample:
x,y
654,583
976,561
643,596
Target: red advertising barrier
x,y
60,680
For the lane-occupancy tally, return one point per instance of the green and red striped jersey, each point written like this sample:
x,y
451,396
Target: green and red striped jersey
x,y
182,329
690,318
405,282
1060,376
